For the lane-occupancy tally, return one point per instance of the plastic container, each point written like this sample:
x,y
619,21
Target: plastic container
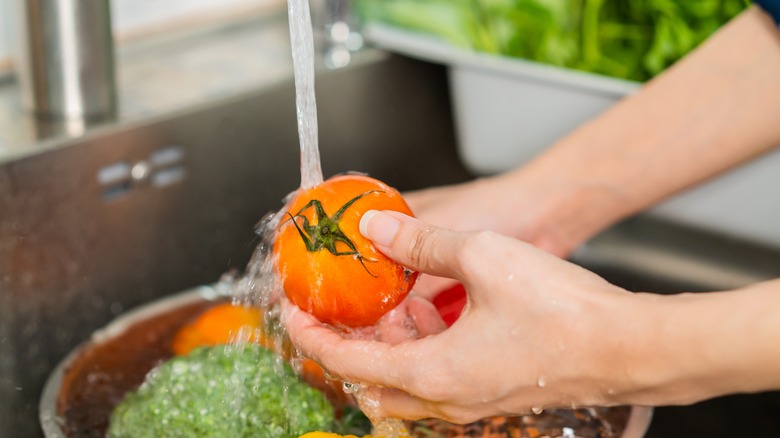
x,y
507,110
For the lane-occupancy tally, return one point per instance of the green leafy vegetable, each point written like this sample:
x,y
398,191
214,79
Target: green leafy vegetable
x,y
629,39
224,391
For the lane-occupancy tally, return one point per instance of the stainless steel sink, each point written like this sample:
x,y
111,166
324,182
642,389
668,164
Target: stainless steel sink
x,y
94,226
82,240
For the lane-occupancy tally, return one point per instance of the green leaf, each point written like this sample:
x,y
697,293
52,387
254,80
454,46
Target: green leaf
x,y
630,39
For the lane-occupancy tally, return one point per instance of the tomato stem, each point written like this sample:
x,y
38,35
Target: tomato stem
x,y
326,233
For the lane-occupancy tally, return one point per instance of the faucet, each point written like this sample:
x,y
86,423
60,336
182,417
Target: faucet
x,y
65,60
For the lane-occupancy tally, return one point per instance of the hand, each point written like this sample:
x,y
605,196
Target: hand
x,y
415,317
509,204
529,204
536,332
539,332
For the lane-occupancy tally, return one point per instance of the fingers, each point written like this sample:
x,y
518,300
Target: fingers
x,y
394,403
405,383
414,318
413,243
358,361
425,315
395,326
428,286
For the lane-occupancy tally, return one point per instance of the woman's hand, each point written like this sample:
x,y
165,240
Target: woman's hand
x,y
532,204
537,332
515,204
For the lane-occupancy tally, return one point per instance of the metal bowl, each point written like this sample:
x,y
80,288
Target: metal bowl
x,y
95,374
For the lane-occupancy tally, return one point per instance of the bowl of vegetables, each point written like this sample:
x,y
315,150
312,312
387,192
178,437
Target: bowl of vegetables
x,y
523,73
197,364
194,364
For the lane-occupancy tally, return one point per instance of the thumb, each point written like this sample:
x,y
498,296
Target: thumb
x,y
415,244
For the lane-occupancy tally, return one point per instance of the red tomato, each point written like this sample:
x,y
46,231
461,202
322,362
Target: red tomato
x,y
327,267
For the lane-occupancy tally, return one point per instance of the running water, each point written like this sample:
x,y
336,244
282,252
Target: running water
x,y
302,41
260,285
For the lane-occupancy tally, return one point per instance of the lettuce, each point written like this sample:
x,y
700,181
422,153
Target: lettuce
x,y
628,39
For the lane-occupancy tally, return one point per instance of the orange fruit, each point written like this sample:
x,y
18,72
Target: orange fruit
x,y
218,325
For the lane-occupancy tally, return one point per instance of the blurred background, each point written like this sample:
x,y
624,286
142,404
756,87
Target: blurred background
x,y
142,140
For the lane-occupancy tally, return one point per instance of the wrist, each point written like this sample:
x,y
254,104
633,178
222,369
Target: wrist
x,y
657,358
566,205
690,347
670,361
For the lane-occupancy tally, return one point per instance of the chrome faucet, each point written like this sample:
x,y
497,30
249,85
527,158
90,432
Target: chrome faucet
x,y
65,59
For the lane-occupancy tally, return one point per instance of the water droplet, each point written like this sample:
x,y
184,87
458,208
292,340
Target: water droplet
x,y
350,388
540,382
537,410
568,432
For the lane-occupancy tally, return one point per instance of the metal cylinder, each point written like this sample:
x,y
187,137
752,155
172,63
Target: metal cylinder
x,y
65,60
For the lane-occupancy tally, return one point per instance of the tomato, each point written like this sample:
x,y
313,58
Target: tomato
x,y
450,303
327,267
218,325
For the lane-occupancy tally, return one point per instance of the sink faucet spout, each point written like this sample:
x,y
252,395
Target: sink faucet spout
x,y
65,60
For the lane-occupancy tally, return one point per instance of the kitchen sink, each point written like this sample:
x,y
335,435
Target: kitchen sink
x,y
94,226
84,237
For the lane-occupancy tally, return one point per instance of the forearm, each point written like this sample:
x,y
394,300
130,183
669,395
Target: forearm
x,y
715,109
691,347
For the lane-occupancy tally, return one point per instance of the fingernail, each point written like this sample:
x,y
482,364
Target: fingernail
x,y
380,227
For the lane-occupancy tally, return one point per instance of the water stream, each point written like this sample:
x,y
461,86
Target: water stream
x,y
260,285
302,40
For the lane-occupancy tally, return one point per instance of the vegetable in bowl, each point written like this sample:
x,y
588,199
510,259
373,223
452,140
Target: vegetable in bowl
x,y
627,39
237,391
